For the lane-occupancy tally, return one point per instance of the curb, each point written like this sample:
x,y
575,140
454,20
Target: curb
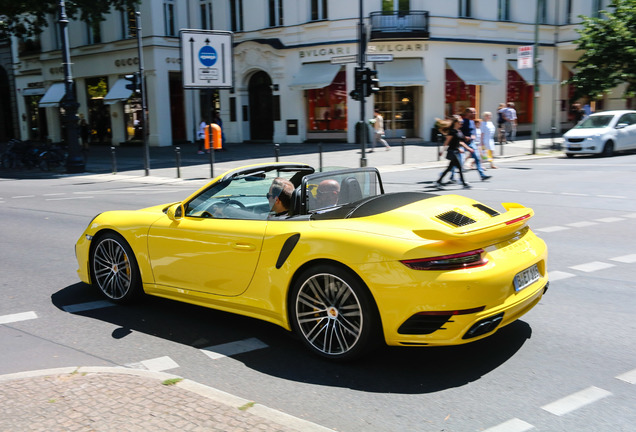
x,y
211,393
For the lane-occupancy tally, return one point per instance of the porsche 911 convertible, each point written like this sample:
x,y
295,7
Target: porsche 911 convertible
x,y
406,268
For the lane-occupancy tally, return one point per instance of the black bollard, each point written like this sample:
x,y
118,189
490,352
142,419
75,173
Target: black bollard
x,y
177,153
320,157
403,150
276,151
113,159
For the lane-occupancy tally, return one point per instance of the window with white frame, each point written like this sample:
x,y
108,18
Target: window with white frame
x,y
396,5
275,13
597,6
93,32
504,10
465,9
543,11
318,10
236,15
128,23
568,12
169,18
207,23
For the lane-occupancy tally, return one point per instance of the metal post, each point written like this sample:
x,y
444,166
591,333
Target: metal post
x,y
75,161
113,159
362,40
144,99
211,150
276,151
177,151
320,157
403,150
535,90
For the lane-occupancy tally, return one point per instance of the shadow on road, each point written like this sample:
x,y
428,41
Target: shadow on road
x,y
386,370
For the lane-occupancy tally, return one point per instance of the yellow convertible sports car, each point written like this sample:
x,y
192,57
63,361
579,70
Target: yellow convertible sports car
x,y
346,267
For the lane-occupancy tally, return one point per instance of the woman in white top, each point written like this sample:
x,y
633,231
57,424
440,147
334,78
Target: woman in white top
x,y
488,136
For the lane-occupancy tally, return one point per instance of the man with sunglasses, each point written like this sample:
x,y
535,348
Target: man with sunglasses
x,y
279,196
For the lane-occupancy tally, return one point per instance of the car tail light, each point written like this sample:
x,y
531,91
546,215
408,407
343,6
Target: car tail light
x,y
519,219
448,262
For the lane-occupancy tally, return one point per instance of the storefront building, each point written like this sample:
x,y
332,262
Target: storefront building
x,y
294,68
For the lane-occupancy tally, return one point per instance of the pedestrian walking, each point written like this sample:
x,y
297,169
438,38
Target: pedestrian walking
x,y
488,137
84,132
453,142
216,119
469,130
511,121
201,136
378,126
501,122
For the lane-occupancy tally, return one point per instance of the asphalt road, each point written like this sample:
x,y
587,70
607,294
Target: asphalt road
x,y
568,365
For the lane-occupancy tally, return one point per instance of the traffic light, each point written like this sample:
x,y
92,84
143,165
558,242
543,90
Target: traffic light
x,y
134,84
371,82
358,92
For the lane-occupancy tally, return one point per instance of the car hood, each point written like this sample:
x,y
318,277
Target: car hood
x,y
584,133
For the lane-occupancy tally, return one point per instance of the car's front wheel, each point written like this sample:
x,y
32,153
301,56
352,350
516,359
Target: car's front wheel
x,y
114,269
608,149
333,312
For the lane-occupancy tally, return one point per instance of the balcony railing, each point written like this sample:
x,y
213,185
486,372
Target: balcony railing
x,y
399,25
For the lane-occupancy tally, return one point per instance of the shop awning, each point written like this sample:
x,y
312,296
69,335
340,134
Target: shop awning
x,y
528,74
472,72
33,91
118,92
53,96
402,72
314,75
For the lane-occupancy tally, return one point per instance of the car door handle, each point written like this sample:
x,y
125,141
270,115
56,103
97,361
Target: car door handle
x,y
244,246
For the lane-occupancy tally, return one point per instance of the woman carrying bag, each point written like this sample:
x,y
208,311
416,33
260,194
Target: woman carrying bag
x,y
452,144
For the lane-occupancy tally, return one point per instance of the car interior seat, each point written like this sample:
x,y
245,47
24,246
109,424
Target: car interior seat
x,y
350,191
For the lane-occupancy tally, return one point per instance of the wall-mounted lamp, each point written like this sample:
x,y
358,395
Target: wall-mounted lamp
x,y
494,57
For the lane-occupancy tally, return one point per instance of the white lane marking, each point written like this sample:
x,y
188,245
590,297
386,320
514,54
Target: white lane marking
x,y
630,215
627,259
80,307
592,266
582,224
23,316
23,196
54,194
576,401
514,425
574,194
160,364
610,219
508,190
68,198
611,196
540,192
559,275
551,229
232,348
629,377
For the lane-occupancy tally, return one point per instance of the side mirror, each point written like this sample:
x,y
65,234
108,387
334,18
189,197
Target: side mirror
x,y
175,211
621,125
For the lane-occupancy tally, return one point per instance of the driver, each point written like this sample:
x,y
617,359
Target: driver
x,y
279,196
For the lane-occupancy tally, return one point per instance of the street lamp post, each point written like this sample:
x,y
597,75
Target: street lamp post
x,y
75,161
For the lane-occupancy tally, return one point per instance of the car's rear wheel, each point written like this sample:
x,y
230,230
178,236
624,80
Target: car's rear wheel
x,y
608,149
333,312
114,269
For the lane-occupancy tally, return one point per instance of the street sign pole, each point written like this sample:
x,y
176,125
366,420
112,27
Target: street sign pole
x,y
535,89
144,103
362,41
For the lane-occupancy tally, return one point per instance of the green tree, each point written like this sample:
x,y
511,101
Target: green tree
x,y
26,18
609,52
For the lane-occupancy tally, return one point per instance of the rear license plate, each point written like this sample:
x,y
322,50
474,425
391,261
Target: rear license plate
x,y
526,277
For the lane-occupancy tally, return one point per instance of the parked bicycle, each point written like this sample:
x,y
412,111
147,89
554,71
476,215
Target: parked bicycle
x,y
19,154
52,156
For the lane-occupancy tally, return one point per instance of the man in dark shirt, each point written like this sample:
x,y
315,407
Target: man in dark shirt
x,y
279,196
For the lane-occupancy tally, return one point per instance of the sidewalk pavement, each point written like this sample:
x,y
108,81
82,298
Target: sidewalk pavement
x,y
114,399
404,154
120,399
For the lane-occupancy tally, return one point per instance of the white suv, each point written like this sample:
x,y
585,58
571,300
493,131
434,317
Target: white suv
x,y
602,133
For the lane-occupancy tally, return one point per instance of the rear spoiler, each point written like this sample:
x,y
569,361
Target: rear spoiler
x,y
497,227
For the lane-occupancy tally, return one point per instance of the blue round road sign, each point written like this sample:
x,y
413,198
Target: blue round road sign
x,y
207,56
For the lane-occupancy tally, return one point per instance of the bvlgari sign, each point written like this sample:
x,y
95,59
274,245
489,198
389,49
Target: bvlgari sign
x,y
395,48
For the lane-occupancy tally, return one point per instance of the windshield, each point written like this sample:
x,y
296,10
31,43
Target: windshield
x,y
595,122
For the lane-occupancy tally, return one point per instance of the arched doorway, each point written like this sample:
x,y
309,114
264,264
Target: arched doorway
x,y
6,113
261,112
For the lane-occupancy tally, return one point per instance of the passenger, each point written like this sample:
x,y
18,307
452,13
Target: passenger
x,y
279,196
327,193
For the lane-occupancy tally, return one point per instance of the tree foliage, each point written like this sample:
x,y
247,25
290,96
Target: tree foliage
x,y
25,18
609,52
